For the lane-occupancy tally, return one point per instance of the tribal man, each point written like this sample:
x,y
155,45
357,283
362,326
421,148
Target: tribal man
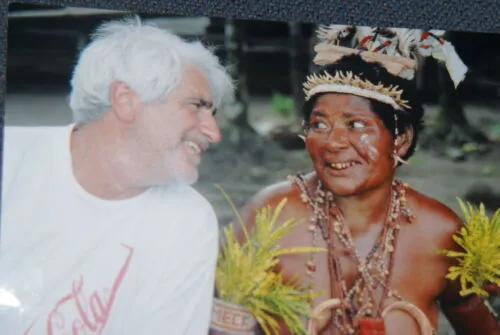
x,y
381,273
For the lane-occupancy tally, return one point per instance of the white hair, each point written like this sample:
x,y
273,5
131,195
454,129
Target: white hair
x,y
150,60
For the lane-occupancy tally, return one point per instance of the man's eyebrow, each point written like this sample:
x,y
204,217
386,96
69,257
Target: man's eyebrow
x,y
203,102
207,104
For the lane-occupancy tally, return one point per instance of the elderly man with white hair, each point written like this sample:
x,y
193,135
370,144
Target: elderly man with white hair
x,y
101,231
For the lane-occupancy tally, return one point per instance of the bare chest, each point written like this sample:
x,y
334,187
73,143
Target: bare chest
x,y
365,274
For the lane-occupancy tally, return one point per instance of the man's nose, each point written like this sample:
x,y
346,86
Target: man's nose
x,y
210,129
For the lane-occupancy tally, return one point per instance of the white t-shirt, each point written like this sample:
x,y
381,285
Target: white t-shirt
x,y
71,263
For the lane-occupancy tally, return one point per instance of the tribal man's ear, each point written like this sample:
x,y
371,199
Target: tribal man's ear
x,y
403,142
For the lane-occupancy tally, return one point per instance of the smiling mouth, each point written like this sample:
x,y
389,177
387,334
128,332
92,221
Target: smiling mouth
x,y
341,165
195,147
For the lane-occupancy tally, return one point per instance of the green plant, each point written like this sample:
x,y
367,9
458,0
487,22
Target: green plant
x,y
283,105
246,272
495,131
479,262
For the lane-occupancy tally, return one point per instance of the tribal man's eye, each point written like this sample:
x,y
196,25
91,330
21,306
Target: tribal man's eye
x,y
357,124
318,125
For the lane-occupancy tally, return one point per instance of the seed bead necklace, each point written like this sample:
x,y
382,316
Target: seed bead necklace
x,y
360,301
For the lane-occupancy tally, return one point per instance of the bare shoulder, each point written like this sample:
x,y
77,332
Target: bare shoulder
x,y
434,219
432,230
271,196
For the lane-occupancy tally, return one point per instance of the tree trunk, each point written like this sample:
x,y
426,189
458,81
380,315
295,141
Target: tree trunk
x,y
453,125
296,66
234,34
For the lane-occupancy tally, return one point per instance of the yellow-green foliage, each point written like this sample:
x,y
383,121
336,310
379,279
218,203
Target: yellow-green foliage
x,y
246,273
479,263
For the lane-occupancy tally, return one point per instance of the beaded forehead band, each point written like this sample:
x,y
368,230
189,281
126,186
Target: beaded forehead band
x,y
352,84
397,50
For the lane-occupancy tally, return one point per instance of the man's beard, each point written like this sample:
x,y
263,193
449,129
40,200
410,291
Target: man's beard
x,y
171,167
176,168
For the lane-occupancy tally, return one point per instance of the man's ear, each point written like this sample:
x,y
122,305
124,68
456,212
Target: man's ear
x,y
403,141
124,101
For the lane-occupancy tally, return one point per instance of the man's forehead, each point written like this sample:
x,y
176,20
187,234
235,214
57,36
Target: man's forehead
x,y
196,84
194,75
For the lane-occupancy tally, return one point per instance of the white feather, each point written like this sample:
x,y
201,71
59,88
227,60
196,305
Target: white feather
x,y
361,33
332,33
407,42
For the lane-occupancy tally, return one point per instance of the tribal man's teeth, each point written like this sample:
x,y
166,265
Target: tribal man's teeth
x,y
341,166
193,146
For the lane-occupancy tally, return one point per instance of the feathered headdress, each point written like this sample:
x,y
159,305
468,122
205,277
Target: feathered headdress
x,y
397,50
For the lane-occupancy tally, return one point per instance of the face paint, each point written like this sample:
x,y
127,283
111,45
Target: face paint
x,y
371,151
349,145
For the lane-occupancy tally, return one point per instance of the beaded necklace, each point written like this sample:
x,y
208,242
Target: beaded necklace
x,y
361,300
